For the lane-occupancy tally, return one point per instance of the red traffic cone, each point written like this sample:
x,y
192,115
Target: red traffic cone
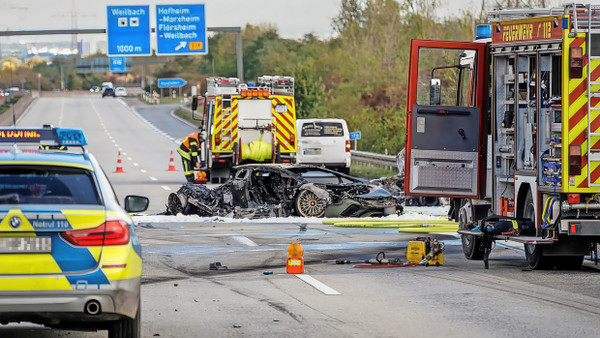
x,y
171,163
119,165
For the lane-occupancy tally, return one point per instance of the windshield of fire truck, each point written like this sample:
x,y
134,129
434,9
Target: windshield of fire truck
x,y
448,75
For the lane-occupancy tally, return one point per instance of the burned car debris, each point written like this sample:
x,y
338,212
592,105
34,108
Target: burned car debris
x,y
267,190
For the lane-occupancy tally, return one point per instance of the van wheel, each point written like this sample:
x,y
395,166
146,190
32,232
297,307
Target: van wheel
x,y
308,204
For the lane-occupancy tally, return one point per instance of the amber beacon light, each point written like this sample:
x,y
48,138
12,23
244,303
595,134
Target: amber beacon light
x,y
295,262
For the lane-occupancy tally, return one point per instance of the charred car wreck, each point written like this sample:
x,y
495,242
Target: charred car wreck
x,y
266,190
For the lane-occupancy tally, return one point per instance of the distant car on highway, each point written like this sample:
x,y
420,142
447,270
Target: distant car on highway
x,y
120,91
108,91
69,255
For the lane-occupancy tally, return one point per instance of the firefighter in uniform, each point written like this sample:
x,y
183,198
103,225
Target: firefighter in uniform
x,y
191,154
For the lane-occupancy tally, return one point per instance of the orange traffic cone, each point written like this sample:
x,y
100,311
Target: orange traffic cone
x,y
171,163
119,165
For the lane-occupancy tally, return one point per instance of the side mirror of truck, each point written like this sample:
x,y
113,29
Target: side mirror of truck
x,y
194,103
435,92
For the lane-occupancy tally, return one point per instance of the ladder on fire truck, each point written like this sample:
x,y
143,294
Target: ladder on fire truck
x,y
587,19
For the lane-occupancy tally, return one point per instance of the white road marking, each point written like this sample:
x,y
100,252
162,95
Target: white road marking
x,y
153,178
317,285
143,171
165,187
135,164
244,240
129,158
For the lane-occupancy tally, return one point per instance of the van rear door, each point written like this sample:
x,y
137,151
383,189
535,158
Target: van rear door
x,y
322,142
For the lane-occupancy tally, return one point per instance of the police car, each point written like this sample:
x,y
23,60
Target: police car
x,y
69,256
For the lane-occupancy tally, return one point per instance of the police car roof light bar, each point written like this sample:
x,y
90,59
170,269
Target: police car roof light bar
x,y
43,136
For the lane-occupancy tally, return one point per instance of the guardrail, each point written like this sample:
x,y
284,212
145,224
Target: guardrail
x,y
367,159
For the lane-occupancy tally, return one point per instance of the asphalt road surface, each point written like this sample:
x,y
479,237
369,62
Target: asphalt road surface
x,y
182,297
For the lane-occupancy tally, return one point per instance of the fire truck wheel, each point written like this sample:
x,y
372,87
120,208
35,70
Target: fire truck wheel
x,y
308,204
534,253
278,153
236,153
471,244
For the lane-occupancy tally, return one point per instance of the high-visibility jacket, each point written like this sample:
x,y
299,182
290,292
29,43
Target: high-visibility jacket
x,y
190,147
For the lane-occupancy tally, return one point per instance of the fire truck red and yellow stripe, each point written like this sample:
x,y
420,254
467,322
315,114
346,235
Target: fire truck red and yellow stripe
x,y
576,115
225,132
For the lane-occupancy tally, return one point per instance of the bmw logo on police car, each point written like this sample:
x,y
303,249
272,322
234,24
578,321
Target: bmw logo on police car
x,y
15,222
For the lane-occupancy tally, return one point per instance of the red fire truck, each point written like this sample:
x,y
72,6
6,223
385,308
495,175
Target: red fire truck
x,y
508,126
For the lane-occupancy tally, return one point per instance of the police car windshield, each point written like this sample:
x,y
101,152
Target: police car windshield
x,y
46,185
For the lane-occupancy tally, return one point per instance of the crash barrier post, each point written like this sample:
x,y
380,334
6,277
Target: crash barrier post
x,y
295,262
119,164
171,163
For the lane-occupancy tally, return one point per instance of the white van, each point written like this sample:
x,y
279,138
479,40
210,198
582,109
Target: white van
x,y
324,142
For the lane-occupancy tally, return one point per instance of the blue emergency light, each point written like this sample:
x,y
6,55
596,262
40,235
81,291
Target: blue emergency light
x,y
46,136
483,32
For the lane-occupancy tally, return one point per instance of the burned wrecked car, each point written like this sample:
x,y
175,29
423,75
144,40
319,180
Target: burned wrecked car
x,y
265,190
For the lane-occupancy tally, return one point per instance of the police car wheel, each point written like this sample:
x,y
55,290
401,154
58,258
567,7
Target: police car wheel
x,y
127,327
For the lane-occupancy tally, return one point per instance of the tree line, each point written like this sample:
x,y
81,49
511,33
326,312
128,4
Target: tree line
x,y
360,74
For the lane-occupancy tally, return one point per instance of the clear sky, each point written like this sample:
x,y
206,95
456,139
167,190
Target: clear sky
x,y
293,18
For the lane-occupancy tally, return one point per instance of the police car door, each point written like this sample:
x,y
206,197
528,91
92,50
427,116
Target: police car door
x,y
445,134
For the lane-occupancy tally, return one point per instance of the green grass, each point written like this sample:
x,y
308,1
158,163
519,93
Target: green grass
x,y
371,172
164,100
7,104
186,115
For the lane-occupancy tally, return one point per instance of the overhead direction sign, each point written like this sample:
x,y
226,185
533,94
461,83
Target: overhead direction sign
x,y
128,30
181,29
174,82
117,64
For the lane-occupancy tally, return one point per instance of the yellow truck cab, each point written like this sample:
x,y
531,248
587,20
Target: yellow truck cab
x,y
248,123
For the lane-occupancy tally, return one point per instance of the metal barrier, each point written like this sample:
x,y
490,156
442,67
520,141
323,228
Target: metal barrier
x,y
367,159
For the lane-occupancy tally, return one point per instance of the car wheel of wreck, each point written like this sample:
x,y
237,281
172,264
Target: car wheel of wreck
x,y
308,204
174,205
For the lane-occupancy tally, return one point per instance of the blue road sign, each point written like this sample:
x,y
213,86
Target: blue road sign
x,y
116,64
128,30
355,135
180,30
174,82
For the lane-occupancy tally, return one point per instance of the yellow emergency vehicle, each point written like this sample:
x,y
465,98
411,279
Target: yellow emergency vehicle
x,y
248,123
69,256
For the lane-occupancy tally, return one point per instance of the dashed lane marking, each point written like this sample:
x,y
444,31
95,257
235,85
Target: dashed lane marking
x,y
317,285
153,178
165,187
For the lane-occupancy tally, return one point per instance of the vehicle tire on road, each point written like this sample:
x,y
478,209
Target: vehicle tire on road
x,y
127,327
471,244
534,253
308,204
174,205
